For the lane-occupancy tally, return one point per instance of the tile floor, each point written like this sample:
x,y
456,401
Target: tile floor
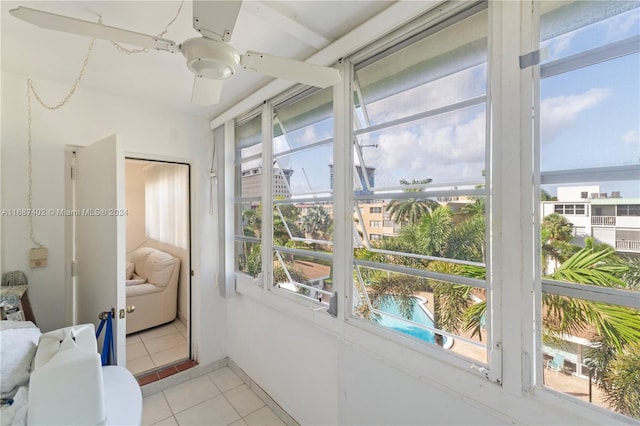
x,y
217,398
156,347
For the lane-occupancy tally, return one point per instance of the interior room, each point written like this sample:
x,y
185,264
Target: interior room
x,y
390,212
157,200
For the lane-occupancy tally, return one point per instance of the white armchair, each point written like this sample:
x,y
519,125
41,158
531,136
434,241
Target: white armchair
x,y
152,287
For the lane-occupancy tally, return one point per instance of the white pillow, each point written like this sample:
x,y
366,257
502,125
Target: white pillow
x,y
18,349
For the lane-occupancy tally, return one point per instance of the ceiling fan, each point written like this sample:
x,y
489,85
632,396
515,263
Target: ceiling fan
x,y
210,57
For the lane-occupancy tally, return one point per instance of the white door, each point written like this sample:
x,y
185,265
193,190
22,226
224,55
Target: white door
x,y
100,237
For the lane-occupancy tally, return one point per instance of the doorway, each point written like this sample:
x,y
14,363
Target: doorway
x,y
157,238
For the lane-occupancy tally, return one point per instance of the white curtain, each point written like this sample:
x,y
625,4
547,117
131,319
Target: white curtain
x,y
167,203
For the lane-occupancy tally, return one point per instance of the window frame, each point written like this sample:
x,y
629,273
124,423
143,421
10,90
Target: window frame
x,y
512,275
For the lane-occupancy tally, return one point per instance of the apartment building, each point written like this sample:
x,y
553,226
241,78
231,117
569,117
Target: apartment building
x,y
610,218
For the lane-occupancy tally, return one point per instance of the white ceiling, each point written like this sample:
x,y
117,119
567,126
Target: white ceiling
x,y
293,29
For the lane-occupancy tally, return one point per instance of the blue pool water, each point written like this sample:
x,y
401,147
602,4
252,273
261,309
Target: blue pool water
x,y
390,305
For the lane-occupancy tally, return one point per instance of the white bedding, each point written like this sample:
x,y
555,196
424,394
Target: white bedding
x,y
19,340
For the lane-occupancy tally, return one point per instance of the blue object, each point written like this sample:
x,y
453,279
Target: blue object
x,y
108,353
419,315
557,363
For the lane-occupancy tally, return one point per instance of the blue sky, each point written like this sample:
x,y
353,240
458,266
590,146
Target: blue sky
x,y
591,117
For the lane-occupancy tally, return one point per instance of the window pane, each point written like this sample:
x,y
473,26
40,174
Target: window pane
x,y
424,309
307,225
589,117
248,258
448,148
250,224
419,185
569,28
308,171
582,359
248,192
304,275
589,126
443,69
303,205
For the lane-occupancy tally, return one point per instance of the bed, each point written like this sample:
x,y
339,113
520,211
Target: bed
x,y
18,348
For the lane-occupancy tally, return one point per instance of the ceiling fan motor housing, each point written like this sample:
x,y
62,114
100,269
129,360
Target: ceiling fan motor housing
x,y
209,58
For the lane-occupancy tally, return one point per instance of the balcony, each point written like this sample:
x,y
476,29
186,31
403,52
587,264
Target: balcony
x,y
603,220
627,245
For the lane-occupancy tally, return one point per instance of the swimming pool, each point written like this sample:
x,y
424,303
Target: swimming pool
x,y
419,315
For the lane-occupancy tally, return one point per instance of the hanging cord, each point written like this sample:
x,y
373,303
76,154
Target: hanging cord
x,y
32,89
212,177
123,49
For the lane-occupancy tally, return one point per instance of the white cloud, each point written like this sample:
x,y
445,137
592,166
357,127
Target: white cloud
x,y
449,148
632,137
559,113
623,25
557,45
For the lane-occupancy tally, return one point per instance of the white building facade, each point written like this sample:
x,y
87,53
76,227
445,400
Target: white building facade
x,y
607,217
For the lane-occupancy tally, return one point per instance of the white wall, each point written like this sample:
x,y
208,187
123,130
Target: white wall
x,y
88,117
321,376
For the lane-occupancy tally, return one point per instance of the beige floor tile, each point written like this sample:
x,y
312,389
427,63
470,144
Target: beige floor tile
x,y
188,394
243,399
215,411
136,350
162,343
169,421
170,355
133,338
157,332
239,423
139,365
155,408
263,417
225,379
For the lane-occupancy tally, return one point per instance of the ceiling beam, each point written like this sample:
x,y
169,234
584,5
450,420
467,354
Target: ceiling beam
x,y
286,23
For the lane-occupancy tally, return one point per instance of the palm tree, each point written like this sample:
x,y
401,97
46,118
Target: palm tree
x,y
435,229
288,214
617,325
622,382
467,240
477,208
316,223
556,228
617,328
410,210
450,301
556,236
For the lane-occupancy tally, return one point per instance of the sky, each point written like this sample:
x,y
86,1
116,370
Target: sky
x,y
589,118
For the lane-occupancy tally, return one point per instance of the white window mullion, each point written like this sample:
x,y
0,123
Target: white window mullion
x,y
343,189
227,207
267,196
511,259
536,352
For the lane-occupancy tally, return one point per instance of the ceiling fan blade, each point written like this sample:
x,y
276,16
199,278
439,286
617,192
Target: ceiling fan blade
x,y
51,21
206,91
215,19
290,69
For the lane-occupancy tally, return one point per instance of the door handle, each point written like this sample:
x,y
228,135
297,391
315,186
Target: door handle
x,y
128,310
